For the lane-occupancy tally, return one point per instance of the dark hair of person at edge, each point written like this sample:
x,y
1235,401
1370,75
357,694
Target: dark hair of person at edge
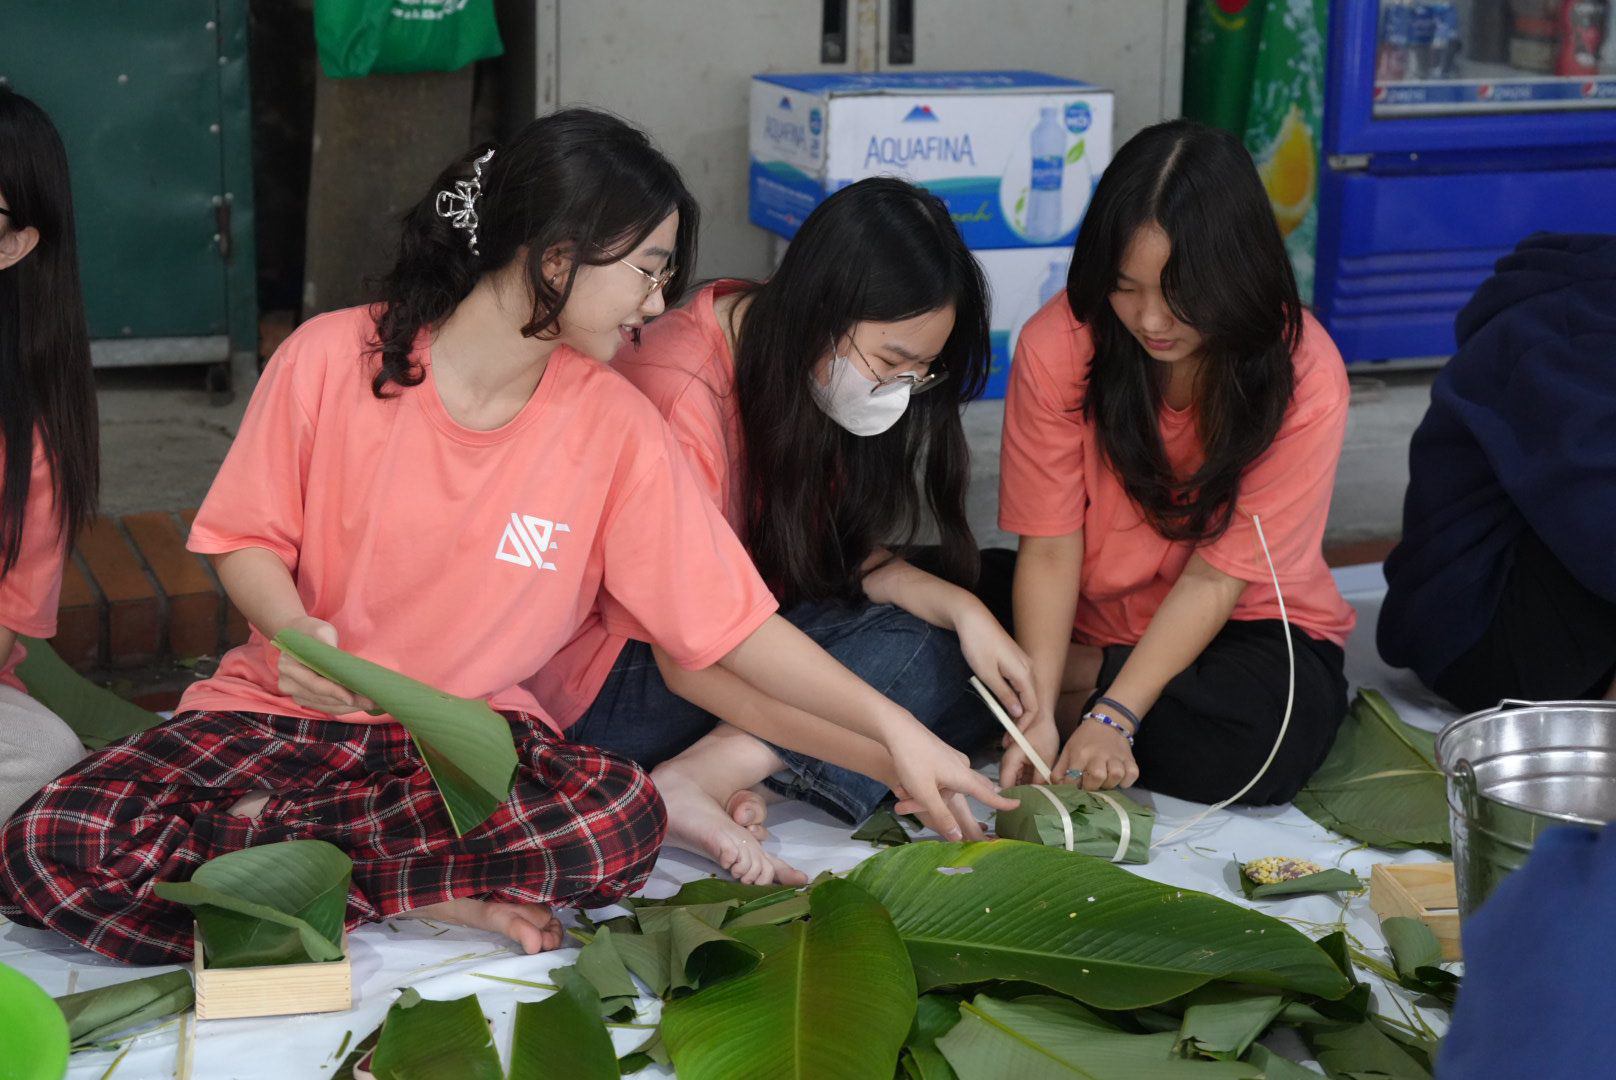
x,y
46,383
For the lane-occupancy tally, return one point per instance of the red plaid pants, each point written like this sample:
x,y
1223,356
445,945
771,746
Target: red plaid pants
x,y
581,828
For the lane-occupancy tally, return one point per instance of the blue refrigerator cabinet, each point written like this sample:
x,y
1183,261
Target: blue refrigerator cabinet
x,y
1451,132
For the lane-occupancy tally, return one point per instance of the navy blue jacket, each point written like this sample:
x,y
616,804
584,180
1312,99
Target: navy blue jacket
x,y
1521,434
1537,988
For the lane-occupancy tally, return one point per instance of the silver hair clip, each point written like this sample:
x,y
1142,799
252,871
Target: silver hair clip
x,y
460,205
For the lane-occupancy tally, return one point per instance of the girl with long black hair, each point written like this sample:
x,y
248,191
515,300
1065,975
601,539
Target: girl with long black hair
x,y
820,410
444,483
49,440
1170,444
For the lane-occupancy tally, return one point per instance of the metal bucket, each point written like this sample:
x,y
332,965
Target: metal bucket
x,y
1517,770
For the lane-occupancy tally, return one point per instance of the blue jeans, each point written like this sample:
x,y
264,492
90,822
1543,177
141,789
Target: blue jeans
x,y
910,661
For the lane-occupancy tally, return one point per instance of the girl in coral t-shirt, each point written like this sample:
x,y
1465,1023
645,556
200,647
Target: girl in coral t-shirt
x,y
444,484
820,411
1173,402
49,445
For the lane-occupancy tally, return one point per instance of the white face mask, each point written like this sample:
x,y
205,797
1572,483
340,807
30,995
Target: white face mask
x,y
846,399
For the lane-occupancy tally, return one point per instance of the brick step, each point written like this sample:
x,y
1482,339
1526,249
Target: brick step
x,y
133,596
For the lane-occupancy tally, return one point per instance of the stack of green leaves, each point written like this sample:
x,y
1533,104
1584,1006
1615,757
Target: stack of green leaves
x,y
939,961
466,745
275,904
1096,824
1380,783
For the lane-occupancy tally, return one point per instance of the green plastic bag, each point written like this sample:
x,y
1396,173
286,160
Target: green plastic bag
x,y
393,37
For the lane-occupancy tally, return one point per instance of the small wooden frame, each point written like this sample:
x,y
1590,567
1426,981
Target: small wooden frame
x,y
271,989
1423,891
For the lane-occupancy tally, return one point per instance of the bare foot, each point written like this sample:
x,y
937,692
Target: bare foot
x,y
698,824
532,926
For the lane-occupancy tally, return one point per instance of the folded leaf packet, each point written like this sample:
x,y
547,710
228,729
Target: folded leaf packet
x,y
1103,823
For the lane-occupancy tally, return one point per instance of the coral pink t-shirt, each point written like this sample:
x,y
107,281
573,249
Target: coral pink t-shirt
x,y
466,558
31,590
685,367
1053,481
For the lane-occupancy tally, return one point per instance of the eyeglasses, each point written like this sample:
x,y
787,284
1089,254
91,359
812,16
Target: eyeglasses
x,y
918,384
653,282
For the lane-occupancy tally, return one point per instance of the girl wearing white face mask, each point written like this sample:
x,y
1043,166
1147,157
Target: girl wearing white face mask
x,y
820,410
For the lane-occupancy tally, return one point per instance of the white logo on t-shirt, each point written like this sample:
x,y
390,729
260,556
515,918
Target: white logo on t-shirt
x,y
526,540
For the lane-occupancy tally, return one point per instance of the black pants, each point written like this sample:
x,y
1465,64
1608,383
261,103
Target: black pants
x,y
1216,722
1550,639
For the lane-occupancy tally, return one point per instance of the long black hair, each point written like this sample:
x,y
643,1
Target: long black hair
x,y
581,180
818,499
46,384
1227,276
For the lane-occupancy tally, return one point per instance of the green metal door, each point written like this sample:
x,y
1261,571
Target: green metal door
x,y
151,100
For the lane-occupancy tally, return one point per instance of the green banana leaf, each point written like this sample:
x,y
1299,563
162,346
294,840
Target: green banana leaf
x,y
710,891
93,1016
467,746
1325,881
360,1051
837,1001
1221,1020
97,715
680,952
600,964
562,1037
274,904
711,916
1096,829
786,909
1412,944
884,829
648,1053
1380,783
1422,1048
1275,1067
647,956
1417,958
935,1016
1363,1049
1080,926
1353,1006
1029,1041
436,1040
697,952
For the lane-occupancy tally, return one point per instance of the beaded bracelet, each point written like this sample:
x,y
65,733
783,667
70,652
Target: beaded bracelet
x,y
1118,707
1110,723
